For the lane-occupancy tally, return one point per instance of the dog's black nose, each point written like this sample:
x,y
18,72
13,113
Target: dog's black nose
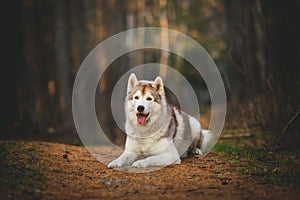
x,y
140,108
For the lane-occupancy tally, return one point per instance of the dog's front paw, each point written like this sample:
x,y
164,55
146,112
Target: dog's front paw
x,y
116,163
141,164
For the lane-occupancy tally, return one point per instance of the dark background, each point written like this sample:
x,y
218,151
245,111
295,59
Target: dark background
x,y
255,45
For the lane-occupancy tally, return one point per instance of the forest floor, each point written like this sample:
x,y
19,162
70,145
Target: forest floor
x,y
42,170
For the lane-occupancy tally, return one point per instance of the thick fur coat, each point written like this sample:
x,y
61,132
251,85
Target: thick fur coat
x,y
158,134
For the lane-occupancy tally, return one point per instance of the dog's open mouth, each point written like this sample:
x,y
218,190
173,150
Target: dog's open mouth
x,y
141,118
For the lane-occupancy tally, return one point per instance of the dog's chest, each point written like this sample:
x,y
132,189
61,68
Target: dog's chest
x,y
145,145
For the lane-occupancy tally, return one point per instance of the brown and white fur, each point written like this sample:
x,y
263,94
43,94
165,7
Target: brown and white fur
x,y
156,131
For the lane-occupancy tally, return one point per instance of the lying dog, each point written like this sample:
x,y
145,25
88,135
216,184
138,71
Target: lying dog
x,y
156,130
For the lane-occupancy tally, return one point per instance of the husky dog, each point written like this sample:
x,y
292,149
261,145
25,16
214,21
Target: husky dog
x,y
157,132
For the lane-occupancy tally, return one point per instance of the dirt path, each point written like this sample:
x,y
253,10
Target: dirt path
x,y
40,170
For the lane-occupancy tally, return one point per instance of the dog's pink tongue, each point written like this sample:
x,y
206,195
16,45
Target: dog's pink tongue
x,y
141,119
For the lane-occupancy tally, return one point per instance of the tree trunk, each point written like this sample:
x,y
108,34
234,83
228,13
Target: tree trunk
x,y
164,55
63,62
31,95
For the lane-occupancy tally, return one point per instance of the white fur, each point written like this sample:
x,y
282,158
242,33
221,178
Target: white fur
x,y
163,139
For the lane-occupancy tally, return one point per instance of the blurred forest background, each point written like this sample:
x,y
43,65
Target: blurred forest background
x,y
255,44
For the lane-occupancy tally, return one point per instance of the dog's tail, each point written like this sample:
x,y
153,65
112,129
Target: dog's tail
x,y
206,142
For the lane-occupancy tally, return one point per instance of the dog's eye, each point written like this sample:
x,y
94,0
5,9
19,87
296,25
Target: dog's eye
x,y
149,99
136,97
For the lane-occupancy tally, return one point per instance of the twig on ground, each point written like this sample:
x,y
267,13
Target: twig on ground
x,y
241,135
286,127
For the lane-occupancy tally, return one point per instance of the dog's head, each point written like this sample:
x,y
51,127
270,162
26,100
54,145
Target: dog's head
x,y
144,100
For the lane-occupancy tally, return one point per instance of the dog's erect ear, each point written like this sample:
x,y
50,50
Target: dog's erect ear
x,y
132,82
158,85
